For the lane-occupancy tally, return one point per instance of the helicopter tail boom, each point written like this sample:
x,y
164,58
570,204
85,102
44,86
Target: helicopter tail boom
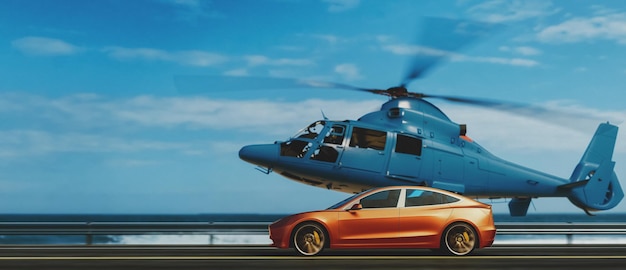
x,y
594,185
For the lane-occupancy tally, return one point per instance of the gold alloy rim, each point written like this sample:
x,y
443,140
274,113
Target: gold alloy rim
x,y
460,239
309,239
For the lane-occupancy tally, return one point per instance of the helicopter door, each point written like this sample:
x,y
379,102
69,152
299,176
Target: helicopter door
x,y
405,162
366,150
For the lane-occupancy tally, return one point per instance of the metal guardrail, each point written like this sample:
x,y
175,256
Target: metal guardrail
x,y
91,229
543,228
569,230
130,228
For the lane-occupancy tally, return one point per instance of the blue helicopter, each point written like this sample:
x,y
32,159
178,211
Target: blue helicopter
x,y
411,141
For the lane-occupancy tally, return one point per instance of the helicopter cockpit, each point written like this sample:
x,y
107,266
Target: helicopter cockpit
x,y
298,145
309,137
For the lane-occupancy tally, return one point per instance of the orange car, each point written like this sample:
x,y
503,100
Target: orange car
x,y
391,217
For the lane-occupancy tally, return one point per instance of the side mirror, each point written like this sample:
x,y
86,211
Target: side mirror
x,y
356,206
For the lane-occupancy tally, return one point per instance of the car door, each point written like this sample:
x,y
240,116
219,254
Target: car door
x,y
376,224
423,216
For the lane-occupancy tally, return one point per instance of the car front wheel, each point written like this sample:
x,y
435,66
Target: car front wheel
x,y
459,239
309,239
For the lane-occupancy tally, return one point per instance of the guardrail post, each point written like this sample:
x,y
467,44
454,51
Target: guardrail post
x,y
570,239
89,235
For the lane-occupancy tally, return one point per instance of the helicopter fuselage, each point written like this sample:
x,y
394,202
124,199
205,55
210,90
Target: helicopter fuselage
x,y
408,141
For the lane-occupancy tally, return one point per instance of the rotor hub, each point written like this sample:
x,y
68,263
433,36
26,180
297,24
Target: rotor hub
x,y
398,91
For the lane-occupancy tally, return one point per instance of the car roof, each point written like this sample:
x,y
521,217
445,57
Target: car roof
x,y
419,187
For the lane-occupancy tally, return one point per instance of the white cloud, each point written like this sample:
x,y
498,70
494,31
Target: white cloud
x,y
188,58
22,142
242,115
499,11
523,50
192,10
520,62
187,113
237,72
80,115
188,3
607,27
44,46
564,126
332,39
198,58
403,49
261,60
341,5
349,72
581,69
133,163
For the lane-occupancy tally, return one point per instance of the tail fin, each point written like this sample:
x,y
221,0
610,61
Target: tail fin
x,y
594,185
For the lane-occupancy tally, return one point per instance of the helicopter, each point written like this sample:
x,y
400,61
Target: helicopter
x,y
410,141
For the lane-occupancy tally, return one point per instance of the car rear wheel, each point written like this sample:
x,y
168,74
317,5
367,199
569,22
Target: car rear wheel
x,y
459,239
309,239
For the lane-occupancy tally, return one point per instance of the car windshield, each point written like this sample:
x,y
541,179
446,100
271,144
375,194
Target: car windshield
x,y
335,206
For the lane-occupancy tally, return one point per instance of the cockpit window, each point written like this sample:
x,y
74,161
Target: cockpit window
x,y
335,134
311,131
294,148
325,153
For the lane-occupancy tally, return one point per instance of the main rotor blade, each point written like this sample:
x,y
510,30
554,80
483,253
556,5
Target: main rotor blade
x,y
203,84
575,120
441,38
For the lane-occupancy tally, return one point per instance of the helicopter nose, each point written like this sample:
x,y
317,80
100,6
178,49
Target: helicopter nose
x,y
260,154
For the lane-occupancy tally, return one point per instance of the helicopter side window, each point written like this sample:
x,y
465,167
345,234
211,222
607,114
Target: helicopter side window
x,y
408,145
368,138
335,135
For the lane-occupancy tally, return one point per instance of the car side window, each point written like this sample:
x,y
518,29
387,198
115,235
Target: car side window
x,y
417,197
383,199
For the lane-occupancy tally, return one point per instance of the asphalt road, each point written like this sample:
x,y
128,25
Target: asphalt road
x,y
258,257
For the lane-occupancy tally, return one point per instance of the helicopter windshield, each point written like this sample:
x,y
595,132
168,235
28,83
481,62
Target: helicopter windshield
x,y
311,131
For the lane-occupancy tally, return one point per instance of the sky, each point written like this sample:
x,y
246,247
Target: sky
x,y
91,120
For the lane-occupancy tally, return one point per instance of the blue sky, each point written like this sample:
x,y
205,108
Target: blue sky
x,y
91,120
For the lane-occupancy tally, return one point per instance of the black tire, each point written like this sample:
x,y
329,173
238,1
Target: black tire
x,y
459,239
309,239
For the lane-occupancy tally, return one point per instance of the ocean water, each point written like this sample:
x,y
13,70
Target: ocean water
x,y
255,239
